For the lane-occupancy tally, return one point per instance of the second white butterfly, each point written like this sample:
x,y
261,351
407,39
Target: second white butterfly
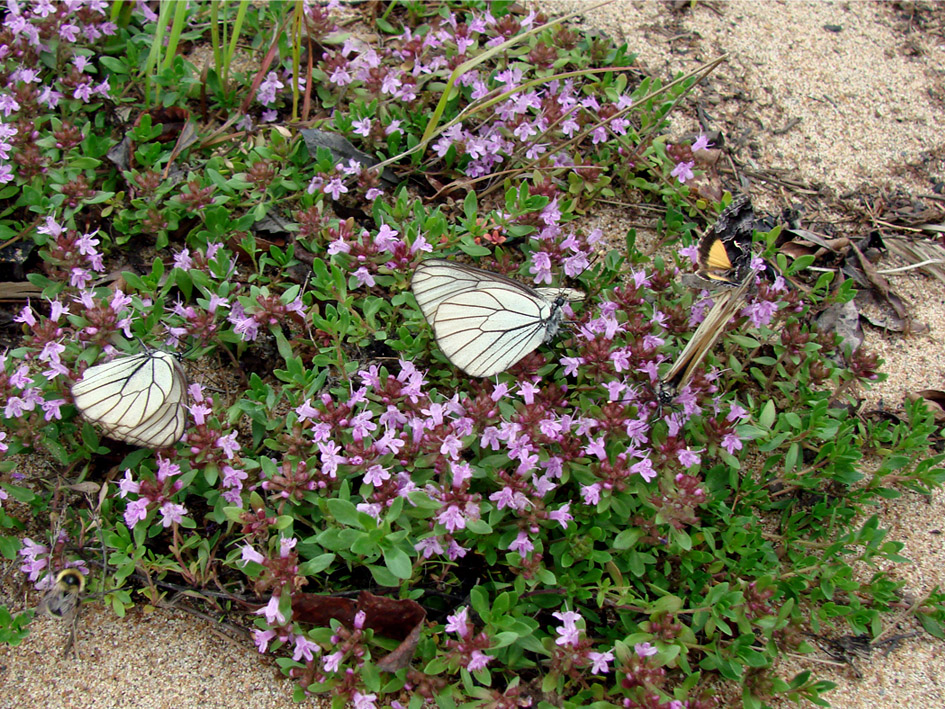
x,y
135,398
485,322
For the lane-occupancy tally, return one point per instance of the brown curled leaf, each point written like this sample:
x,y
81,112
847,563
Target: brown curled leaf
x,y
388,617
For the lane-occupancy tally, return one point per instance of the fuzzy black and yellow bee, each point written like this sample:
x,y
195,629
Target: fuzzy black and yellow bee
x,y
62,599
62,602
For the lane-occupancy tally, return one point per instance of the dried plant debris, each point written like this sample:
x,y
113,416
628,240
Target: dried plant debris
x,y
342,150
874,289
844,320
392,618
15,260
923,254
848,647
855,259
874,310
797,242
921,223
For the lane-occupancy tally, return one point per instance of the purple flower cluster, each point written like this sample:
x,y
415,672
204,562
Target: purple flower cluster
x,y
469,651
248,314
29,30
34,390
366,253
41,564
80,315
364,64
71,256
158,493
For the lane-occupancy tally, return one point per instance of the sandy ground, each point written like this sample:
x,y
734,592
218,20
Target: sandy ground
x,y
834,110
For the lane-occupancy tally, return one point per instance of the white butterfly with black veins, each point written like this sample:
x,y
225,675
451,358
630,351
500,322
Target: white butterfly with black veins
x,y
138,399
485,322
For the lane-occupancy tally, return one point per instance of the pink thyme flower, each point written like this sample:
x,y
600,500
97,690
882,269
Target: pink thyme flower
x,y
272,613
683,172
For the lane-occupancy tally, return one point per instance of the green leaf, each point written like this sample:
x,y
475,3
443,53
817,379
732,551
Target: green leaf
x,y
398,563
931,625
503,640
316,564
383,576
9,546
668,604
344,512
768,414
84,163
22,494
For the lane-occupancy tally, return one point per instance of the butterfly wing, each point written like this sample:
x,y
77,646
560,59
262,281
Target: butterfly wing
x,y
725,251
166,426
487,330
138,398
117,390
162,431
726,305
552,294
485,322
437,280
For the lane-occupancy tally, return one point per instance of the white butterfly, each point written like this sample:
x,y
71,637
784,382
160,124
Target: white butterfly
x,y
483,321
136,398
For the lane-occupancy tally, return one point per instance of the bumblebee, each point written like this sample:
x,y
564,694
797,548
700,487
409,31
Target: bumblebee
x,y
62,602
62,599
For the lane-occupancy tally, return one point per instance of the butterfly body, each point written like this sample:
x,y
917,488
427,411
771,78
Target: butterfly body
x,y
485,322
138,399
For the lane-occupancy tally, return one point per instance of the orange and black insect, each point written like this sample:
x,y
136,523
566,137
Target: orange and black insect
x,y
725,249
